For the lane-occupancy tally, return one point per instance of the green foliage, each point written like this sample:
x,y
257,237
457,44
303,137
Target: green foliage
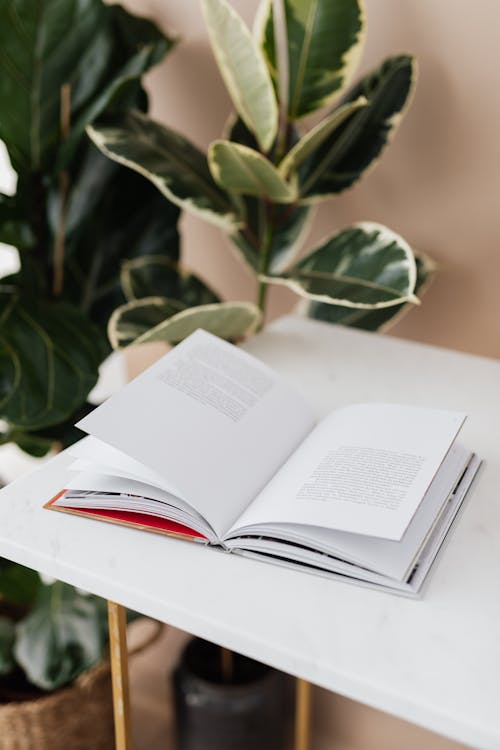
x,y
172,163
64,345
258,182
324,42
344,157
63,635
50,631
54,312
243,69
7,640
76,216
18,585
369,320
43,46
365,266
158,319
241,170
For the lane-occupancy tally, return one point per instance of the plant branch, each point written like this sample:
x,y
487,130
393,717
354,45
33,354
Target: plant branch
x,y
266,235
59,242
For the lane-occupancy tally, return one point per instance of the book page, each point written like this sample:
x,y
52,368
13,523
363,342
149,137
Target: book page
x,y
213,421
394,559
364,469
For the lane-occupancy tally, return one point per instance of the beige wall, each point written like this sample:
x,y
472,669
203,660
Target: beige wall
x,y
438,184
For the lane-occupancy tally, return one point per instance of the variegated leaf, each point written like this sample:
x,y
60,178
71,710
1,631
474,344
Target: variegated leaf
x,y
365,266
243,69
346,155
241,170
315,137
171,162
145,321
130,321
369,320
325,39
157,276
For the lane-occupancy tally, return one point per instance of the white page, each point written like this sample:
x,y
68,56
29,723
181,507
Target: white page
x,y
366,578
211,419
95,481
389,558
131,495
92,454
364,469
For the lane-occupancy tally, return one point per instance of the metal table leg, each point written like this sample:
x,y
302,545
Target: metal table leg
x,y
302,714
119,672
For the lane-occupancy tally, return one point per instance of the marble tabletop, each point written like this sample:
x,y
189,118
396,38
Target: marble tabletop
x,y
434,661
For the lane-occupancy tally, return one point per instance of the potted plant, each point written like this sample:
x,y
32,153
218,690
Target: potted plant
x,y
55,676
52,646
259,184
74,218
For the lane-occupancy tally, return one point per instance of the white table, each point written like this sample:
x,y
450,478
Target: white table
x,y
435,662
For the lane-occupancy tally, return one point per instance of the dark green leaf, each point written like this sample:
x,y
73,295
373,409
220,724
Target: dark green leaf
x,y
156,276
41,44
114,215
7,637
39,442
14,227
370,320
44,45
324,45
63,636
49,359
18,585
31,443
235,130
135,46
289,225
173,164
364,266
356,144
314,138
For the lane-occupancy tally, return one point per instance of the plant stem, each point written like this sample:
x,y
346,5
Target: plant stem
x,y
267,236
58,280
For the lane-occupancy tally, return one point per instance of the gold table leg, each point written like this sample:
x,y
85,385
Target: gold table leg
x,y
119,673
302,714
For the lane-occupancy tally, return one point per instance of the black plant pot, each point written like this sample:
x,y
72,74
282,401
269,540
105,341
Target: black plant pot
x,y
252,711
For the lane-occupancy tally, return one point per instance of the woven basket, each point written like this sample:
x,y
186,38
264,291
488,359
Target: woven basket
x,y
79,717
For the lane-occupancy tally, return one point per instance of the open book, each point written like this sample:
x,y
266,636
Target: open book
x,y
211,445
